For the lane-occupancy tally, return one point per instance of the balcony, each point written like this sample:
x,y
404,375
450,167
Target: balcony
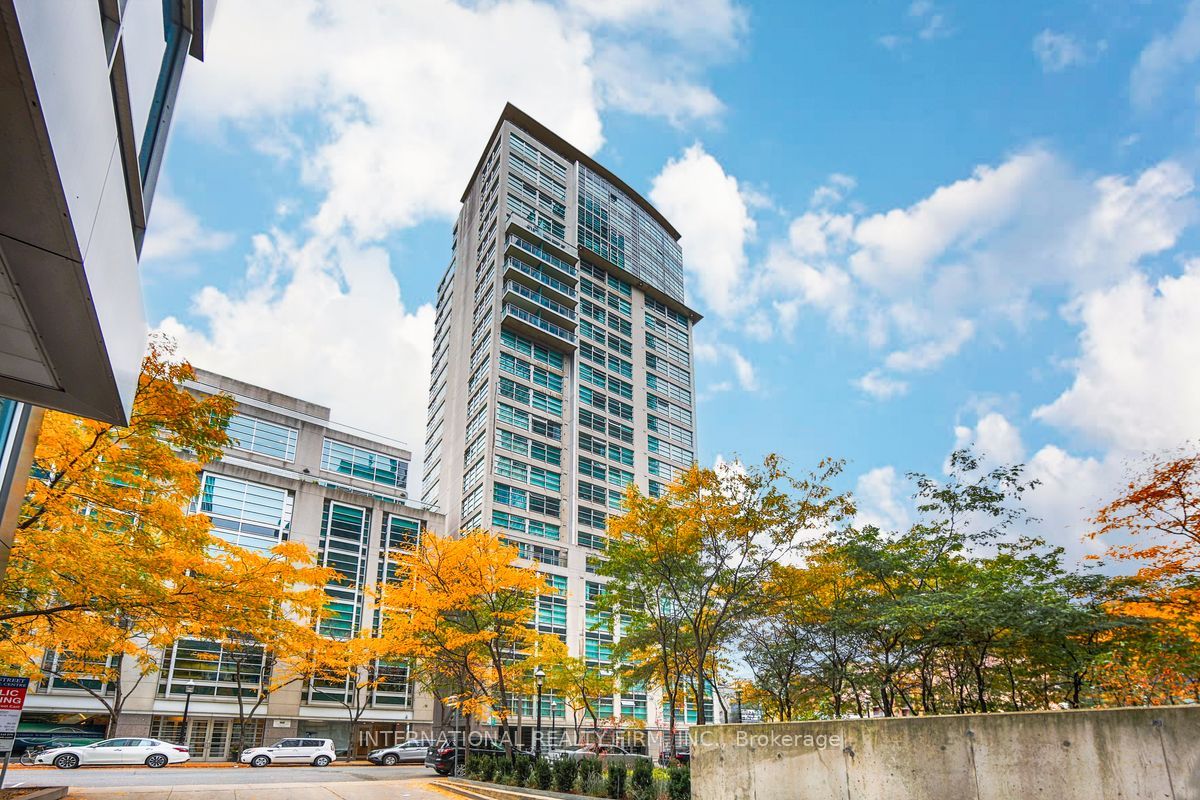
x,y
546,283
542,245
540,304
534,325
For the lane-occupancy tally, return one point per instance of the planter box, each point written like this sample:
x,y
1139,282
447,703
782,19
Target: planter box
x,y
34,793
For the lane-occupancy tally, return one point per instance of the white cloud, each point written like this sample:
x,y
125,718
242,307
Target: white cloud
x,y
880,496
400,102
175,233
634,79
707,206
1058,51
880,386
976,253
323,320
1165,58
931,353
932,22
993,437
403,105
1136,383
722,353
926,23
1072,489
700,23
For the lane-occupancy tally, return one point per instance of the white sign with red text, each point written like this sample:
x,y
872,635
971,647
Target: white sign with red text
x,y
12,700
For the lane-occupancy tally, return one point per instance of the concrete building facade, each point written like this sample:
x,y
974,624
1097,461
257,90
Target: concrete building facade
x,y
290,475
562,372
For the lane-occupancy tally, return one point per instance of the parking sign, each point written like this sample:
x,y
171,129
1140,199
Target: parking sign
x,y
12,700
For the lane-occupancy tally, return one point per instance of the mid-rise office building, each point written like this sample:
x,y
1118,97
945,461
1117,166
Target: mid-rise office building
x,y
562,372
289,475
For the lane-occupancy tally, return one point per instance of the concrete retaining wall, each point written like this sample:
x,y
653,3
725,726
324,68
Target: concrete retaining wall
x,y
1133,754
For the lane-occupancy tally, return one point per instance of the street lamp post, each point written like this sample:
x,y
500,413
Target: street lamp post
x,y
738,693
553,720
189,689
539,677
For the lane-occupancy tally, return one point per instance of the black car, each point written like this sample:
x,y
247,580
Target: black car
x,y
446,757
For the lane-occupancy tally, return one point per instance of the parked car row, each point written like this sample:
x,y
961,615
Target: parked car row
x,y
443,757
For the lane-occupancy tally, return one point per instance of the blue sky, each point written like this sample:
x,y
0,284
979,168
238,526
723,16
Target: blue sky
x,y
910,225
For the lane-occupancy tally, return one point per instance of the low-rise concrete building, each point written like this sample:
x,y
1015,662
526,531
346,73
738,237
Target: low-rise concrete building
x,y
290,475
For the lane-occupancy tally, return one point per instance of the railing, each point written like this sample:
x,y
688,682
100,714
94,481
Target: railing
x,y
539,231
538,322
544,255
540,276
540,299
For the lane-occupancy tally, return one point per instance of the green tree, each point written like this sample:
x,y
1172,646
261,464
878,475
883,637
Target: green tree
x,y
713,541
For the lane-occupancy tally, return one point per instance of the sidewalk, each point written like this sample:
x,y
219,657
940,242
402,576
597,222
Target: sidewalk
x,y
357,790
362,762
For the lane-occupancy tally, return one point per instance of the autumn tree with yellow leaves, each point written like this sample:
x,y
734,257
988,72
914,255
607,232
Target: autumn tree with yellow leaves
x,y
108,565
464,610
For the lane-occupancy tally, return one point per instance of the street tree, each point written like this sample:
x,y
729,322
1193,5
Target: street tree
x,y
462,608
713,540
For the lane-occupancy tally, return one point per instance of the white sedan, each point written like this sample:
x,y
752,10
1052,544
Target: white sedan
x,y
151,752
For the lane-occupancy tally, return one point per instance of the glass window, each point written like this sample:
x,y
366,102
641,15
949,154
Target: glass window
x,y
246,514
364,464
265,438
344,533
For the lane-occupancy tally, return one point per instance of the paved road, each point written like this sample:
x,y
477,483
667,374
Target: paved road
x,y
235,783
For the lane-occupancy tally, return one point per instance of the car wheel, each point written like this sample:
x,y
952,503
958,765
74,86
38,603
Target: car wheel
x,y
391,760
460,771
156,761
321,761
259,761
67,761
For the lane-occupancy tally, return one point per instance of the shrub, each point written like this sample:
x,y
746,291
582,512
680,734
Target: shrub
x,y
617,774
593,785
487,768
641,782
542,774
679,783
521,769
565,770
589,767
503,772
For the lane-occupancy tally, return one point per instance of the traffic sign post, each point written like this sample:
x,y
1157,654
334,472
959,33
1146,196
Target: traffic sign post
x,y
12,700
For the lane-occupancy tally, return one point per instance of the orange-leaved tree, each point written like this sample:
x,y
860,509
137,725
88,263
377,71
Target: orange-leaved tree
x,y
347,670
464,610
265,627
1160,514
108,565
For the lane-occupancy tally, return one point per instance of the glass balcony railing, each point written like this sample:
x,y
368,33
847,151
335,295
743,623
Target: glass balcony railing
x,y
541,299
533,319
542,254
541,276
